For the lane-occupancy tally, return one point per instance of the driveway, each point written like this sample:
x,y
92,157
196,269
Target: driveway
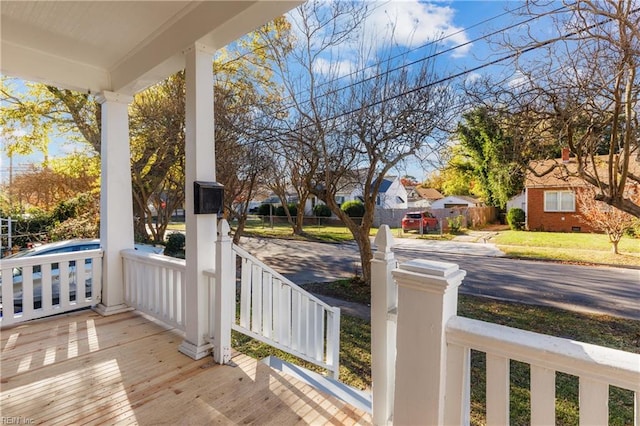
x,y
608,290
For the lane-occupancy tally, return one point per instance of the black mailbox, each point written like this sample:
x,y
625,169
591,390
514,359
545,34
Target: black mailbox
x,y
207,197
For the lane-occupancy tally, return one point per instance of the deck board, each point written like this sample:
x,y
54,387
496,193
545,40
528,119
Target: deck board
x,y
82,368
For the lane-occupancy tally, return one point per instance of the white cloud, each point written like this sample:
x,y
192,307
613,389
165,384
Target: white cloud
x,y
517,80
401,24
334,68
472,77
411,23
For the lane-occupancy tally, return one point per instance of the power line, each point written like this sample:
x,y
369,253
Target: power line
x,y
434,55
407,52
443,38
285,108
504,58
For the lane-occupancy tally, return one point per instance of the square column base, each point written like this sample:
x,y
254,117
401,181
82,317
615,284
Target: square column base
x,y
105,311
194,351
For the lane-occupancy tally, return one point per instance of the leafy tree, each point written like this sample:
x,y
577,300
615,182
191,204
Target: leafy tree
x,y
408,180
353,208
156,125
516,218
321,210
266,209
456,177
45,187
603,217
434,180
244,87
490,157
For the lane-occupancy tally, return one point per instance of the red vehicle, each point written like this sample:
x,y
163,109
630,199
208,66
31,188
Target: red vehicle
x,y
411,221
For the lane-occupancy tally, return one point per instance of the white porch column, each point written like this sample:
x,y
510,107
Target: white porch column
x,y
116,203
201,228
384,302
225,294
427,299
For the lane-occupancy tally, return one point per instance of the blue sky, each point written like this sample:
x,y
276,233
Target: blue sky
x,y
417,22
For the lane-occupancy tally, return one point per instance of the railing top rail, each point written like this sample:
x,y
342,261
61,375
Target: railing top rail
x,y
607,365
154,259
50,258
245,254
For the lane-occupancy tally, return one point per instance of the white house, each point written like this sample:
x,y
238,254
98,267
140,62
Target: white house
x,y
456,201
392,194
518,201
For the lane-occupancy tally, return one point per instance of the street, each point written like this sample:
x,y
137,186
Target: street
x,y
597,289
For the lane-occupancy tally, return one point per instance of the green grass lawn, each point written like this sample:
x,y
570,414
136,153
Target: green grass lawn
x,y
259,228
327,234
568,247
549,246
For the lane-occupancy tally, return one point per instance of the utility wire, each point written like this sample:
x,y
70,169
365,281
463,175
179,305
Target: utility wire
x,y
504,58
285,108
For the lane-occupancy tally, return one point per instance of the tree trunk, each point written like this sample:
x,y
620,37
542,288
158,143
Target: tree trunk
x,y
242,220
364,246
139,223
614,246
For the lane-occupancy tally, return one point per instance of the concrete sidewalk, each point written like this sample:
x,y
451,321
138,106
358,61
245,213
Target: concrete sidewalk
x,y
460,245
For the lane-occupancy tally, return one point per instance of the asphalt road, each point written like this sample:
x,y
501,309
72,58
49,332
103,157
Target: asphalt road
x,y
608,290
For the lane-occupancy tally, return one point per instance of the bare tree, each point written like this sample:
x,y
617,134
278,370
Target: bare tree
x,y
354,128
293,169
241,169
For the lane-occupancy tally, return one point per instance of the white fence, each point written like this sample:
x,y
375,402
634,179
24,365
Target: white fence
x,y
40,286
155,285
596,367
421,353
278,312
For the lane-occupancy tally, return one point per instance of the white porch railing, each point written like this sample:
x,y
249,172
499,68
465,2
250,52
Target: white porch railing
x,y
155,285
273,309
596,367
427,378
276,311
40,286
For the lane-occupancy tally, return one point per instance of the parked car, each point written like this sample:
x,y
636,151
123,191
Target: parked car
x,y
59,247
416,221
69,246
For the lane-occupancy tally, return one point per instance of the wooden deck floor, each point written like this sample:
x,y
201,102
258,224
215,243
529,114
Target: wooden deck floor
x,y
82,368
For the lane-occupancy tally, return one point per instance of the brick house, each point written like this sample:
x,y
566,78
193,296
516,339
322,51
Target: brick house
x,y
551,202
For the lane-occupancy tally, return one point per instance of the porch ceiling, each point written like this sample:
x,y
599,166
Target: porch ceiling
x,y
118,46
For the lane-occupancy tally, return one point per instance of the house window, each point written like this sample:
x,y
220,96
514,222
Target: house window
x,y
399,200
559,201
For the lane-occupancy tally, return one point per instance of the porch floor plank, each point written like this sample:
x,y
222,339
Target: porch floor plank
x,y
82,368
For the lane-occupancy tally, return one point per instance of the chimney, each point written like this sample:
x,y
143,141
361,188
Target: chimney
x,y
565,155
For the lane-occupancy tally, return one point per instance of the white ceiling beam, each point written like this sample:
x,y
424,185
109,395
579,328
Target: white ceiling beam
x,y
162,55
40,66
